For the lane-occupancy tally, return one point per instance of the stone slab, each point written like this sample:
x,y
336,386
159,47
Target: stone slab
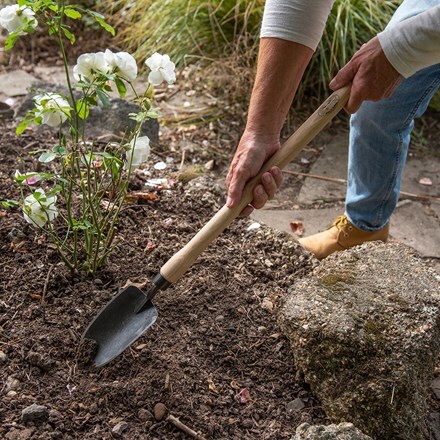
x,y
417,226
52,74
413,223
16,83
331,163
314,220
416,169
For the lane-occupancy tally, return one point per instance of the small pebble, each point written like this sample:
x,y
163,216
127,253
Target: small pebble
x,y
119,429
98,282
159,411
33,412
145,415
3,357
267,304
295,405
248,423
12,384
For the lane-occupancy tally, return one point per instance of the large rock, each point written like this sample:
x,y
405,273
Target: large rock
x,y
365,330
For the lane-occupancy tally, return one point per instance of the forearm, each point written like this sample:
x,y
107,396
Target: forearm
x,y
281,65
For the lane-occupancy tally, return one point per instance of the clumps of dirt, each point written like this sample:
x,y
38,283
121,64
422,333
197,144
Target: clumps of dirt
x,y
87,350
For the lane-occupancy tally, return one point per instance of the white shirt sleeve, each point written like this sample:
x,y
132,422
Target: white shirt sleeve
x,y
414,43
300,21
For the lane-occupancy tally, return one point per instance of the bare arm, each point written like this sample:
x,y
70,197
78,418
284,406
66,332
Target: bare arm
x,y
281,65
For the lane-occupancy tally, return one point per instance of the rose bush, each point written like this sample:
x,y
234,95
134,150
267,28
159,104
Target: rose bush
x,y
82,193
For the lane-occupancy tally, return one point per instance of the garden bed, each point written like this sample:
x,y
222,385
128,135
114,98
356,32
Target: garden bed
x,y
215,358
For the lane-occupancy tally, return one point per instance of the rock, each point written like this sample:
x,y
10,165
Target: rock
x,y
119,428
365,331
38,360
16,82
435,387
145,415
16,235
12,384
33,412
159,411
3,357
267,305
295,405
6,112
343,431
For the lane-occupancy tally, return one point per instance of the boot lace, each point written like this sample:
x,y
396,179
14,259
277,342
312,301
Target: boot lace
x,y
341,221
343,224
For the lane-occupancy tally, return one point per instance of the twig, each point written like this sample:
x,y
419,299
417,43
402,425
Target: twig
x,y
43,296
182,161
336,180
178,424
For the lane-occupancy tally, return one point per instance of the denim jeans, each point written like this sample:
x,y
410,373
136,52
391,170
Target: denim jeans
x,y
379,138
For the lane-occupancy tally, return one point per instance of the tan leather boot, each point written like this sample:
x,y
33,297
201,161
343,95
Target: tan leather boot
x,y
339,236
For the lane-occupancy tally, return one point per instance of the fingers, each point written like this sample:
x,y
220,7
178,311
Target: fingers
x,y
237,178
343,77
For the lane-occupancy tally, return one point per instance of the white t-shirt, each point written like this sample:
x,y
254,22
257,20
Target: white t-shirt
x,y
409,45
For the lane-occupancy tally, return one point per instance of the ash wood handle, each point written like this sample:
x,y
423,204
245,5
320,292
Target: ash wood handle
x,y
180,262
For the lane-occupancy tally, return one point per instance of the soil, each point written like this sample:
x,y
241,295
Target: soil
x,y
215,358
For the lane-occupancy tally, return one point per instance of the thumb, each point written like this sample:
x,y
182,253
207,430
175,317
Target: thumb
x,y
343,77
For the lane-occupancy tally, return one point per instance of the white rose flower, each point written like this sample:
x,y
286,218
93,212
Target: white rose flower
x,y
14,17
140,151
52,108
89,64
39,210
124,64
162,69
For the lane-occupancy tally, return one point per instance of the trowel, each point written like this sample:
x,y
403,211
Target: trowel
x,y
131,312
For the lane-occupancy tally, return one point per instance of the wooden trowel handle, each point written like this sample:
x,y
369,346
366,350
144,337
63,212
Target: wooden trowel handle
x,y
180,262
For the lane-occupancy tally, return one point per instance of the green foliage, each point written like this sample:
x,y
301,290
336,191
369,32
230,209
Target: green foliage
x,y
188,30
79,201
226,32
351,23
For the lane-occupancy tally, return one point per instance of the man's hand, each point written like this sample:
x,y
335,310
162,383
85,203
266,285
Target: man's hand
x,y
372,75
252,152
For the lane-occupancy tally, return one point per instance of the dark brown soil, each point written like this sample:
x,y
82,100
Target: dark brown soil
x,y
215,358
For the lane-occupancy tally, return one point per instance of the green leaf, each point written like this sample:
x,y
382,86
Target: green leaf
x,y
47,157
121,87
100,20
62,180
69,35
103,97
152,113
105,155
11,40
22,126
82,109
72,13
24,177
9,203
59,149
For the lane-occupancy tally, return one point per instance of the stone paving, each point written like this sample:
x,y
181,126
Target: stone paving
x,y
413,223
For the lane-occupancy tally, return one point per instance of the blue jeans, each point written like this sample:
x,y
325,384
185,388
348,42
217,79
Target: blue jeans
x,y
379,138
